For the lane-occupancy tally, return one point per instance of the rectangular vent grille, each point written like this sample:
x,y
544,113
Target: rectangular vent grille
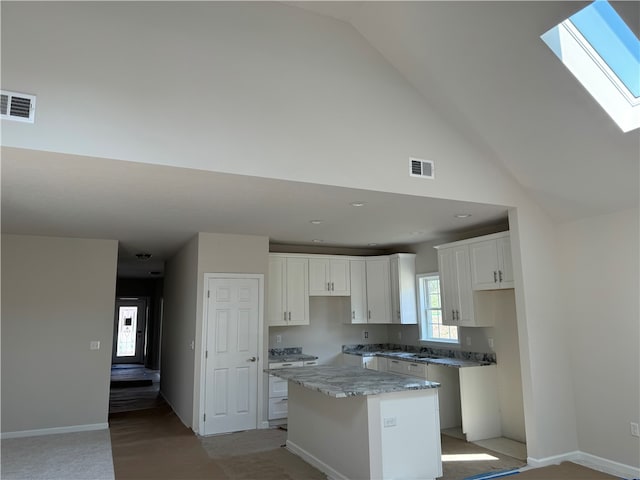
x,y
421,168
18,107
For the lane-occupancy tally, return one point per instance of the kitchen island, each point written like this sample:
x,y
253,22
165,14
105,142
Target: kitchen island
x,y
353,423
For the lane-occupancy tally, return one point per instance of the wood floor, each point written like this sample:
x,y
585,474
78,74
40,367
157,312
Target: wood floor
x,y
135,397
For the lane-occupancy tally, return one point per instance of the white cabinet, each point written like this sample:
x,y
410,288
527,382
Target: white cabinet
x,y
358,286
403,288
378,290
288,290
491,266
455,281
412,369
360,361
329,276
279,391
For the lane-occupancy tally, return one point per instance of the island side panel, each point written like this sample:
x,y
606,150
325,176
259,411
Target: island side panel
x,y
330,433
407,440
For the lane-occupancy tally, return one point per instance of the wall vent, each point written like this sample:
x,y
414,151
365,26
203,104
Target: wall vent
x,y
18,107
421,168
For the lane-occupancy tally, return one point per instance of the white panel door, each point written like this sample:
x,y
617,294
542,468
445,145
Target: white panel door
x,y
231,378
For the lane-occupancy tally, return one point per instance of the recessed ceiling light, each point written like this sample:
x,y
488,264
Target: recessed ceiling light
x,y
317,240
316,222
462,215
358,204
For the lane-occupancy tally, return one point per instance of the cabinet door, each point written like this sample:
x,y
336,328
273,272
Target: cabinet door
x,y
484,265
319,283
378,290
463,294
448,286
394,278
340,278
297,281
505,262
403,288
276,294
358,288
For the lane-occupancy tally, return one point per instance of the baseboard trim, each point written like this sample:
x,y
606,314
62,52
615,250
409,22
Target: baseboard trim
x,y
607,466
188,425
587,460
55,430
331,473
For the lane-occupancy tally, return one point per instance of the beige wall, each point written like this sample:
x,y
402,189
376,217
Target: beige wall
x,y
58,294
178,330
601,287
327,332
223,253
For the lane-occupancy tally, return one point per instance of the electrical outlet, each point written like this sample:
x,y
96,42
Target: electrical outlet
x,y
94,345
635,432
468,341
366,334
390,422
278,338
490,341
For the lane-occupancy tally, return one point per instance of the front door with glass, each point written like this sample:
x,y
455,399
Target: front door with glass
x,y
129,331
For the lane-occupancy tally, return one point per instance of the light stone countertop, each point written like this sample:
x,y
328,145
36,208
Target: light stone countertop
x,y
417,357
348,381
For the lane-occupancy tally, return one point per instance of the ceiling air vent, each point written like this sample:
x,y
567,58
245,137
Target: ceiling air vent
x,y
19,107
421,168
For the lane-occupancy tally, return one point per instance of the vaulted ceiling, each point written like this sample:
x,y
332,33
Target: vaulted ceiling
x,y
480,65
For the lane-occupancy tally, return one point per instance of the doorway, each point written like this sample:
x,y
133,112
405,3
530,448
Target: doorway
x,y
130,330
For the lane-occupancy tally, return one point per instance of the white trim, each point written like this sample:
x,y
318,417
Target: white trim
x,y
55,430
587,460
607,466
331,473
203,343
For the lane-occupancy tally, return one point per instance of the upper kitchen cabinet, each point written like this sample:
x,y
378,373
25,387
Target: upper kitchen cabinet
x,y
491,266
358,274
455,281
329,276
288,290
378,290
403,288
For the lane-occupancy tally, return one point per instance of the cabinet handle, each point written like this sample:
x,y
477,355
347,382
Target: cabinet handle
x,y
495,276
453,315
353,315
369,314
500,273
328,286
285,316
289,316
333,289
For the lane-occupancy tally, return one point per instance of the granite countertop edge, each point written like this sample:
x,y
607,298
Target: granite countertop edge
x,y
345,381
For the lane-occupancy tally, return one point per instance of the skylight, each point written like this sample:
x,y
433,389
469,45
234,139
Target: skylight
x,y
603,53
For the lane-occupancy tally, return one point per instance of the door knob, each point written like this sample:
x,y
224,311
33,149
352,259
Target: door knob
x,y
252,359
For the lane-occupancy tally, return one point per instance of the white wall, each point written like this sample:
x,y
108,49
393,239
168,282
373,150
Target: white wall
x,y
601,286
179,330
327,332
58,294
281,93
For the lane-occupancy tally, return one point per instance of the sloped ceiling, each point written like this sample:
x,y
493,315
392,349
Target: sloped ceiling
x,y
484,67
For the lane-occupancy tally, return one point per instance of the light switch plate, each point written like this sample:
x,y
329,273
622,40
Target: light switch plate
x,y
94,345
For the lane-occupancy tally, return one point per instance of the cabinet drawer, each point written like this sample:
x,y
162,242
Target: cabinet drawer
x,y
417,370
407,368
278,408
278,387
309,363
397,366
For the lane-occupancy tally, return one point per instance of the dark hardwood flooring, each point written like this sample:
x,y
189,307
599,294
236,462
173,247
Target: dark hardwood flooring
x,y
135,397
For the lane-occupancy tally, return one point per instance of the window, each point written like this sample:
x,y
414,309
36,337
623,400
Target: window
x,y
602,52
430,303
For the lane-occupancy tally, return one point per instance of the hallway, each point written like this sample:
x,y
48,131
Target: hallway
x,y
134,387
